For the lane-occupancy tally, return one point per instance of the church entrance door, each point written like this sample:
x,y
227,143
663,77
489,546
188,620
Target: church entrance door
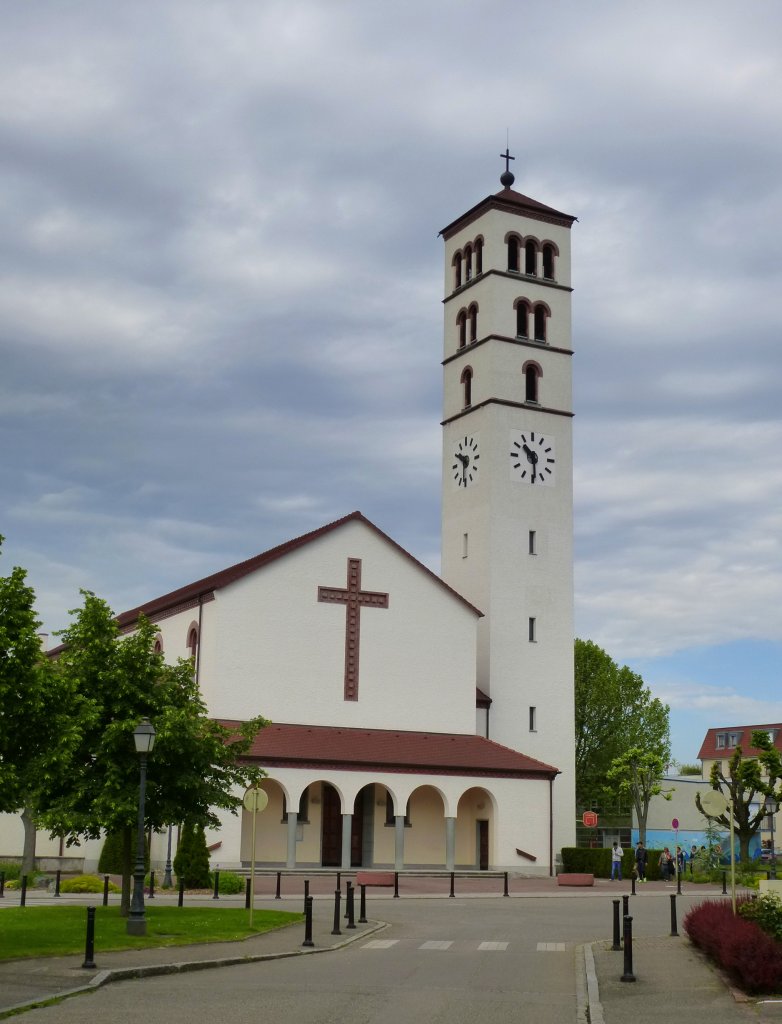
x,y
331,828
483,845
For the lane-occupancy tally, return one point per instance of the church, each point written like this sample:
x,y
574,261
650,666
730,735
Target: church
x,y
421,721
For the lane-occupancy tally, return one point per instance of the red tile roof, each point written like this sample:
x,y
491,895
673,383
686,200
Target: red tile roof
x,y
390,750
189,595
512,202
710,751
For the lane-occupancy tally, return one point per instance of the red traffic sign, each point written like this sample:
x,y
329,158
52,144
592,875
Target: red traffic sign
x,y
589,819
675,823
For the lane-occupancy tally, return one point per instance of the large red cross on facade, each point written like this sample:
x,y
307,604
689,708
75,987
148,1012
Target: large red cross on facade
x,y
354,598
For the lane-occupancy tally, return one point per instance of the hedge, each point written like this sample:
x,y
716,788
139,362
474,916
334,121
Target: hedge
x,y
597,860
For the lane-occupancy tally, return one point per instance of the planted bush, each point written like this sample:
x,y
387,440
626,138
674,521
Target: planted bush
x,y
85,883
230,883
751,957
766,912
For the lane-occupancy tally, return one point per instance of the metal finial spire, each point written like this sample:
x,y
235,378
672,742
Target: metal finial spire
x,y
507,178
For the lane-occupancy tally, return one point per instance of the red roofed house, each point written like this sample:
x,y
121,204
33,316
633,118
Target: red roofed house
x,y
421,721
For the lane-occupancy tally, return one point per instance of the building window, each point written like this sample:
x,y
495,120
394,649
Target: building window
x,y
548,261
390,811
457,270
466,382
531,375
304,809
468,263
473,311
478,256
533,630
533,719
461,323
721,738
531,258
540,322
513,254
192,642
522,318
533,543
465,540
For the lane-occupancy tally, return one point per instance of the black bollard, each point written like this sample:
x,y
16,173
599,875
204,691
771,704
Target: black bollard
x,y
351,908
57,883
308,922
2,884
396,885
306,893
673,915
105,890
451,893
679,882
339,879
277,890
505,889
152,885
617,944
247,895
89,946
625,912
628,964
216,894
181,900
724,883
632,885
23,892
362,917
337,896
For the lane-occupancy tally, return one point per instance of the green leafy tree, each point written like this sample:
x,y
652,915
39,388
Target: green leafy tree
x,y
614,713
196,766
36,729
637,774
191,863
747,782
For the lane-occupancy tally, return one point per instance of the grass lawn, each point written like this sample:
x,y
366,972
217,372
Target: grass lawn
x,y
57,931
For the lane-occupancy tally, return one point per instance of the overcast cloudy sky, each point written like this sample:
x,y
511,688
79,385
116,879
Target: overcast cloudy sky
x,y
220,285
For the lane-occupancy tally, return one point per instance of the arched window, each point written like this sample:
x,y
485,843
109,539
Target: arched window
x,y
468,263
457,270
541,314
192,641
548,261
473,311
531,258
461,323
522,318
157,647
466,382
513,254
478,256
532,374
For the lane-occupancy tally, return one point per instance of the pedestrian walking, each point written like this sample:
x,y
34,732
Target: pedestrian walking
x,y
616,862
641,857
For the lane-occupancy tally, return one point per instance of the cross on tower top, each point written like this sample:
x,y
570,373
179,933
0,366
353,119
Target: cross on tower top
x,y
507,178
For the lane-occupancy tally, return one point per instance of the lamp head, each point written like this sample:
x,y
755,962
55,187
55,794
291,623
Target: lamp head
x,y
144,736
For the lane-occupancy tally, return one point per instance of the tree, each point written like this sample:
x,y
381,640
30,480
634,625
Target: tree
x,y
637,774
196,766
191,863
748,780
614,713
35,727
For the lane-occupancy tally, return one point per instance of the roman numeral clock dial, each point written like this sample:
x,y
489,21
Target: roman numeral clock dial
x,y
466,460
532,458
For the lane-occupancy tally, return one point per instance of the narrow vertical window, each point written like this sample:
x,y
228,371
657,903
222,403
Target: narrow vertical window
x,y
464,545
461,323
522,318
533,719
192,642
531,384
513,254
532,630
548,262
473,322
457,270
540,323
531,259
468,263
466,382
478,256
533,543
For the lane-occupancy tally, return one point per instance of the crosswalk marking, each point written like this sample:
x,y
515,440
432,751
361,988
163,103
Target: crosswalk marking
x,y
551,947
436,944
380,944
493,945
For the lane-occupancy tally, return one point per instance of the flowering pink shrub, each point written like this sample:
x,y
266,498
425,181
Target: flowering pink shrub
x,y
751,958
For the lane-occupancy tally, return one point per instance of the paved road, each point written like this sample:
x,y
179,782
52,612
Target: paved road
x,y
459,961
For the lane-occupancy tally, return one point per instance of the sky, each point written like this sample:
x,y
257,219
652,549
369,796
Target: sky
x,y
221,285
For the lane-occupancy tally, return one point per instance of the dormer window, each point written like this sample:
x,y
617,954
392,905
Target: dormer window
x,y
721,741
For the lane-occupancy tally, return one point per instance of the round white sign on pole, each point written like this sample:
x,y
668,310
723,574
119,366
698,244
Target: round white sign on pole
x,y
714,803
256,799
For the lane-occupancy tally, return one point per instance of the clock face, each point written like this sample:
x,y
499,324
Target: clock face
x,y
532,458
466,460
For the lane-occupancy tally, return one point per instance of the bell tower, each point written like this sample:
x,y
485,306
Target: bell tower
x,y
507,497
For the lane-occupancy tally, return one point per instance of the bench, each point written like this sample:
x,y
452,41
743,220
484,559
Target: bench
x,y
575,878
375,878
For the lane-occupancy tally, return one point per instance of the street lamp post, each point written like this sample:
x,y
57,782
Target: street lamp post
x,y
771,807
144,738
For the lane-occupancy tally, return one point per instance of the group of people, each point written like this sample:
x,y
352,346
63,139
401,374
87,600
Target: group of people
x,y
669,863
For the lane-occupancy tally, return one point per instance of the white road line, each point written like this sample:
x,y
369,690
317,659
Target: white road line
x,y
551,947
436,944
380,944
494,945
